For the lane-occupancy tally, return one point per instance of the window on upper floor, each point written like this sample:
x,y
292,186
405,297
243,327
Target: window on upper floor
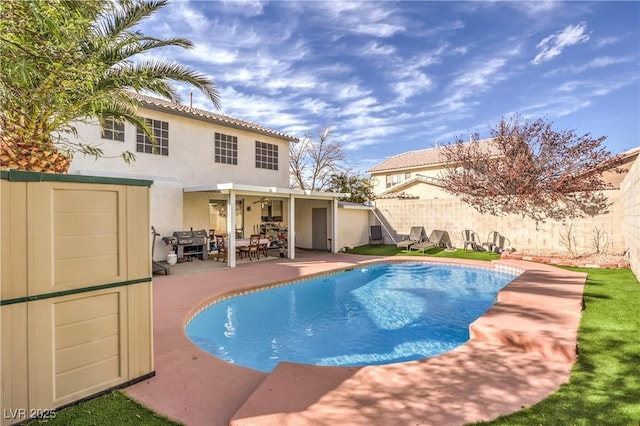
x,y
396,178
113,129
160,131
226,149
266,156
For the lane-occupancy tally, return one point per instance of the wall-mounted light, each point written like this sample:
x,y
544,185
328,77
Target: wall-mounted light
x,y
248,208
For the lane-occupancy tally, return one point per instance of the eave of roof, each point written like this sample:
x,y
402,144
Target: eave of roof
x,y
208,116
414,159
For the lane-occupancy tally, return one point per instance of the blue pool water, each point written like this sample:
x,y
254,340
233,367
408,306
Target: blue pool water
x,y
380,314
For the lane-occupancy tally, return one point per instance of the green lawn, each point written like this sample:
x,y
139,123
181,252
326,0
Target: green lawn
x,y
604,388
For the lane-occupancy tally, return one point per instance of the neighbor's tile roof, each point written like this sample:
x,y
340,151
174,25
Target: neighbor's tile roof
x,y
399,195
200,114
411,159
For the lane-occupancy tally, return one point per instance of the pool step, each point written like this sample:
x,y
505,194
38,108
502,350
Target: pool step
x,y
535,329
289,388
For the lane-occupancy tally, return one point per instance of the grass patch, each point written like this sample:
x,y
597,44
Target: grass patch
x,y
392,250
114,408
604,387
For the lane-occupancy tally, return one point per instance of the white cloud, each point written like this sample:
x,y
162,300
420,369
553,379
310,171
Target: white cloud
x,y
606,41
554,44
536,8
414,84
374,48
379,29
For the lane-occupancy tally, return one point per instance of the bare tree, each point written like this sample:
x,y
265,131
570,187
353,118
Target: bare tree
x,y
530,169
315,160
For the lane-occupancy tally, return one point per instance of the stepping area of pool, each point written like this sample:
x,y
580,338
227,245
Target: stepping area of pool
x,y
521,350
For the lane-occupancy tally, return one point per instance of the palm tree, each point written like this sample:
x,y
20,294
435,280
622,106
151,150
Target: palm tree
x,y
66,61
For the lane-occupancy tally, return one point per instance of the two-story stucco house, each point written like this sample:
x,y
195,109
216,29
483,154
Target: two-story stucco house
x,y
204,165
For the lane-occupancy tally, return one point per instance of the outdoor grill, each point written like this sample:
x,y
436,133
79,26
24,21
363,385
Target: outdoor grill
x,y
189,244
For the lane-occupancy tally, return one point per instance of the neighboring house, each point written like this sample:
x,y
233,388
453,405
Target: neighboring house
x,y
204,165
418,171
409,192
415,174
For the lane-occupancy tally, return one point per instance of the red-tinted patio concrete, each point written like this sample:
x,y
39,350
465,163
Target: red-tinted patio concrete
x,y
520,351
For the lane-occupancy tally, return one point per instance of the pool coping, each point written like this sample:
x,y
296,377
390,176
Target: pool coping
x,y
500,370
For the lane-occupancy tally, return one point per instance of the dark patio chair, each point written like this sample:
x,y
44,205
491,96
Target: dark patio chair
x,y
375,234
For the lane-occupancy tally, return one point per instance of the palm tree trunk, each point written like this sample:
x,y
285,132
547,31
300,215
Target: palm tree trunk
x,y
16,152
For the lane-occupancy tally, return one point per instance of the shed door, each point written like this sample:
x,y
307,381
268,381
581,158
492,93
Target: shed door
x,y
319,228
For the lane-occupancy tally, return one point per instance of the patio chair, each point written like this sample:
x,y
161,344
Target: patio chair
x,y
470,238
264,248
221,245
502,244
375,234
416,235
492,241
252,250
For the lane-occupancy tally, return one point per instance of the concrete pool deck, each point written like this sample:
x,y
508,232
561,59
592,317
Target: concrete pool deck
x,y
521,350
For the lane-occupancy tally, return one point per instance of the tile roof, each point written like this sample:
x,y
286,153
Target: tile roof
x,y
200,114
399,195
434,156
411,159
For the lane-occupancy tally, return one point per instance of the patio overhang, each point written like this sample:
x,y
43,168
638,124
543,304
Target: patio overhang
x,y
227,188
234,189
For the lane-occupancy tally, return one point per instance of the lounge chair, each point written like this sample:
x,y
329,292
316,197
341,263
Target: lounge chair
x,y
416,235
441,238
423,245
470,238
375,236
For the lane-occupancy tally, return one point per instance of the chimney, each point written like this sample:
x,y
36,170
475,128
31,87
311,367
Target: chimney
x,y
190,99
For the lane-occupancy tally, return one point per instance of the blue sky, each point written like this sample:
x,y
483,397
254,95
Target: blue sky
x,y
390,77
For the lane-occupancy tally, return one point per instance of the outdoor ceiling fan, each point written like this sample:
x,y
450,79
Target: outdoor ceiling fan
x,y
262,201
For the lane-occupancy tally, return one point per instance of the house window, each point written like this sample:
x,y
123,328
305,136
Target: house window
x,y
266,156
160,131
226,149
113,129
395,179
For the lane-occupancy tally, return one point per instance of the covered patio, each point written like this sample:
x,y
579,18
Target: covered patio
x,y
307,219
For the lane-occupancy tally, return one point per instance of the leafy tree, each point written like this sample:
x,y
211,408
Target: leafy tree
x,y
65,62
528,168
313,162
361,189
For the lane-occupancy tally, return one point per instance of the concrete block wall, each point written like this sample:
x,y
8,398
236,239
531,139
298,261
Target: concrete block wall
x,y
525,235
631,219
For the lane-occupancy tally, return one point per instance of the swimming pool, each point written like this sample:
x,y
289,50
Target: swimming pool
x,y
379,314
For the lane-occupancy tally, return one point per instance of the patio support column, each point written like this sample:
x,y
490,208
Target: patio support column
x,y
291,235
334,226
231,229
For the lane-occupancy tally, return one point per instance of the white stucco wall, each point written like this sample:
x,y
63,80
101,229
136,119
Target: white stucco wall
x,y
631,217
303,231
191,154
353,226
